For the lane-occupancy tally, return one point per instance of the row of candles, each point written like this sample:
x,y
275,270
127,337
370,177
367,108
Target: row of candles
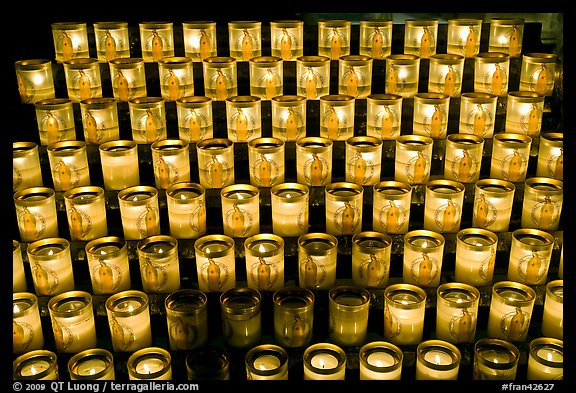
x,y
157,39
266,75
128,314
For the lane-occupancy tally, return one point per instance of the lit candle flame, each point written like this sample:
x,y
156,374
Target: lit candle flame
x,y
240,196
16,308
160,251
33,370
92,371
437,359
50,252
102,252
130,308
261,248
146,368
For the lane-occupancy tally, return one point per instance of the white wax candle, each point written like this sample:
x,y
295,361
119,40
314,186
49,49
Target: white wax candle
x,y
109,265
171,162
215,263
129,319
140,212
241,320
456,313
553,316
380,363
324,361
51,266
546,363
475,257
495,359
36,213
264,263
36,365
412,165
493,201
423,258
438,358
510,312
290,210
317,270
404,311
159,264
92,366
343,210
186,211
27,334
240,211
73,321
530,255
120,167
152,365
348,316
86,212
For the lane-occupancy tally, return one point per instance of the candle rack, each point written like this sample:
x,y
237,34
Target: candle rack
x,y
551,122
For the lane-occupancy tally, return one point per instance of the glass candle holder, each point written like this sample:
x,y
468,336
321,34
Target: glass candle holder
x,y
195,120
337,116
120,165
176,76
380,360
334,38
423,255
384,116
83,79
215,162
290,210
420,37
171,162
55,118
413,159
491,73
349,307
220,74
51,266
288,117
445,74
293,311
437,360
266,362
475,256
70,40
464,36
495,359
551,156
463,157
553,316
264,262
68,165
159,264
36,213
287,39
100,121
215,263
266,157
241,317
112,40
92,364
27,334
200,39
86,212
493,203
313,76
35,365
151,363
404,309
506,36
391,204
542,203
324,361
530,255
431,115
18,273
35,80
314,161
186,203
139,212
344,202
376,38
128,78
363,160
561,264
546,360
129,319
72,320
510,156
240,210
457,312
187,319
266,75
371,253
317,258
477,114
537,73
208,363
355,75
156,40
245,39
511,308
243,118
443,205
148,119
109,265
26,170
524,112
